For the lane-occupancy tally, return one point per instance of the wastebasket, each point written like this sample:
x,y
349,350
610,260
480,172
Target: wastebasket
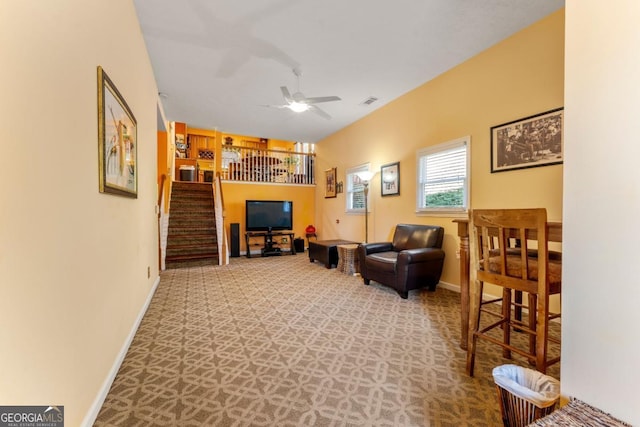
x,y
187,173
524,394
298,244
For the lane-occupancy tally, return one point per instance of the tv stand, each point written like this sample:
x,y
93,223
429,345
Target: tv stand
x,y
270,248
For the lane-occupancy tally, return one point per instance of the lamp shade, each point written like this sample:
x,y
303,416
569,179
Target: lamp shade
x,y
365,175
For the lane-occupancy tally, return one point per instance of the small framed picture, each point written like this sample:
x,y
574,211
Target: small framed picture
x,y
330,183
390,179
529,142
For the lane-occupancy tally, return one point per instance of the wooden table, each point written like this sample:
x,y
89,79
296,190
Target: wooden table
x,y
554,235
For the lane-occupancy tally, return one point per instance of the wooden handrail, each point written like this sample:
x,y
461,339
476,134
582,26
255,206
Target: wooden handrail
x,y
223,253
163,178
219,179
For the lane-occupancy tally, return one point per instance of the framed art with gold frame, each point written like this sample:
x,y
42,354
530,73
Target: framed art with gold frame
x,y
330,183
117,141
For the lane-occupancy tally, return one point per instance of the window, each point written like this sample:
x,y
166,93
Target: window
x,y
355,189
443,177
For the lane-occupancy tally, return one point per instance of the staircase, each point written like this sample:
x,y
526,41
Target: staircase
x,y
191,240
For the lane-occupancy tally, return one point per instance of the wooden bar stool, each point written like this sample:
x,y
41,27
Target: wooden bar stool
x,y
525,268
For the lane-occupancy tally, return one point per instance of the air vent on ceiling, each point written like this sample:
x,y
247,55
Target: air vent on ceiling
x,y
370,100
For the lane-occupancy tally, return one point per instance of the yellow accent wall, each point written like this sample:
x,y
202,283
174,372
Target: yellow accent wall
x,y
236,193
518,77
76,266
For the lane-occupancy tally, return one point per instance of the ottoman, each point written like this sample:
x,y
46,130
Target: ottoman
x,y
325,251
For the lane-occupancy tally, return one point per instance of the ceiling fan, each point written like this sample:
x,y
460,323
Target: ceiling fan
x,y
300,103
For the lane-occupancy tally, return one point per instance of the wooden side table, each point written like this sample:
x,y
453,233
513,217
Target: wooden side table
x,y
348,262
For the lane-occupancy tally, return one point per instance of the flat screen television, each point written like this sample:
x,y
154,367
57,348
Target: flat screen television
x,y
269,215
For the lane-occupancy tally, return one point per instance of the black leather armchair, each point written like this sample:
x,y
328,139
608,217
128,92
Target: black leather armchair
x,y
413,260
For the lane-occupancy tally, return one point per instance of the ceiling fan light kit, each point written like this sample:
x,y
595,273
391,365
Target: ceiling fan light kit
x,y
298,107
300,103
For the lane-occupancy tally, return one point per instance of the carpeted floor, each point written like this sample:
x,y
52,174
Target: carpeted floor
x,y
284,342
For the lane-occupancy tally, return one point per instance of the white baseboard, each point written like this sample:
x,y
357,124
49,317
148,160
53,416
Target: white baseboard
x,y
449,286
91,416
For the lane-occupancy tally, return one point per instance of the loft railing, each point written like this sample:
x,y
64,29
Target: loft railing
x,y
275,166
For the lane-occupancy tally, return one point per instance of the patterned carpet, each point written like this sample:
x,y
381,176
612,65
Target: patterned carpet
x,y
284,342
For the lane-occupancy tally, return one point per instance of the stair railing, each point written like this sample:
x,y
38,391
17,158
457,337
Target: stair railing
x,y
223,247
162,243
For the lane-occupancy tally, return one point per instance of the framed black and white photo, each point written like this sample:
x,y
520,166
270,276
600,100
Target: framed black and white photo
x,y
529,142
390,179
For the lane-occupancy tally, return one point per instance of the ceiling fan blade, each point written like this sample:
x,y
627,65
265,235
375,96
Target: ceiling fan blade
x,y
319,112
274,106
318,99
286,94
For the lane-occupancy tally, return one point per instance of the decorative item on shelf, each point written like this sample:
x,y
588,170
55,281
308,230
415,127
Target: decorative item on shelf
x,y
390,182
206,154
365,177
181,146
290,161
228,140
310,231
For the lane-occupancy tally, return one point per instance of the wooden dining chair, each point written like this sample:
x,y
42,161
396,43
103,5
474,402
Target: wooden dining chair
x,y
511,251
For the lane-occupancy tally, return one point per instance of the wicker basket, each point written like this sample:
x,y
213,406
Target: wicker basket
x,y
527,395
348,259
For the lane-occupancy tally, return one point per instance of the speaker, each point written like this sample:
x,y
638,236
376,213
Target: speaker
x,y
235,239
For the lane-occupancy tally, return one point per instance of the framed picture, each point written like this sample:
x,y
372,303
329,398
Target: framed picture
x,y
117,141
528,143
390,179
330,183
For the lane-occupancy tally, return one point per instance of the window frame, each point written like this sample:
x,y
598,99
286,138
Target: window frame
x,y
366,167
437,149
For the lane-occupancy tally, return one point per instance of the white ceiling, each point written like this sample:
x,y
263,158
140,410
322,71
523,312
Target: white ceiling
x,y
218,62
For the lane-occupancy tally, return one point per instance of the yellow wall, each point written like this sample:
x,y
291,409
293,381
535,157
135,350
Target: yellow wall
x,y
235,195
516,78
279,144
73,261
